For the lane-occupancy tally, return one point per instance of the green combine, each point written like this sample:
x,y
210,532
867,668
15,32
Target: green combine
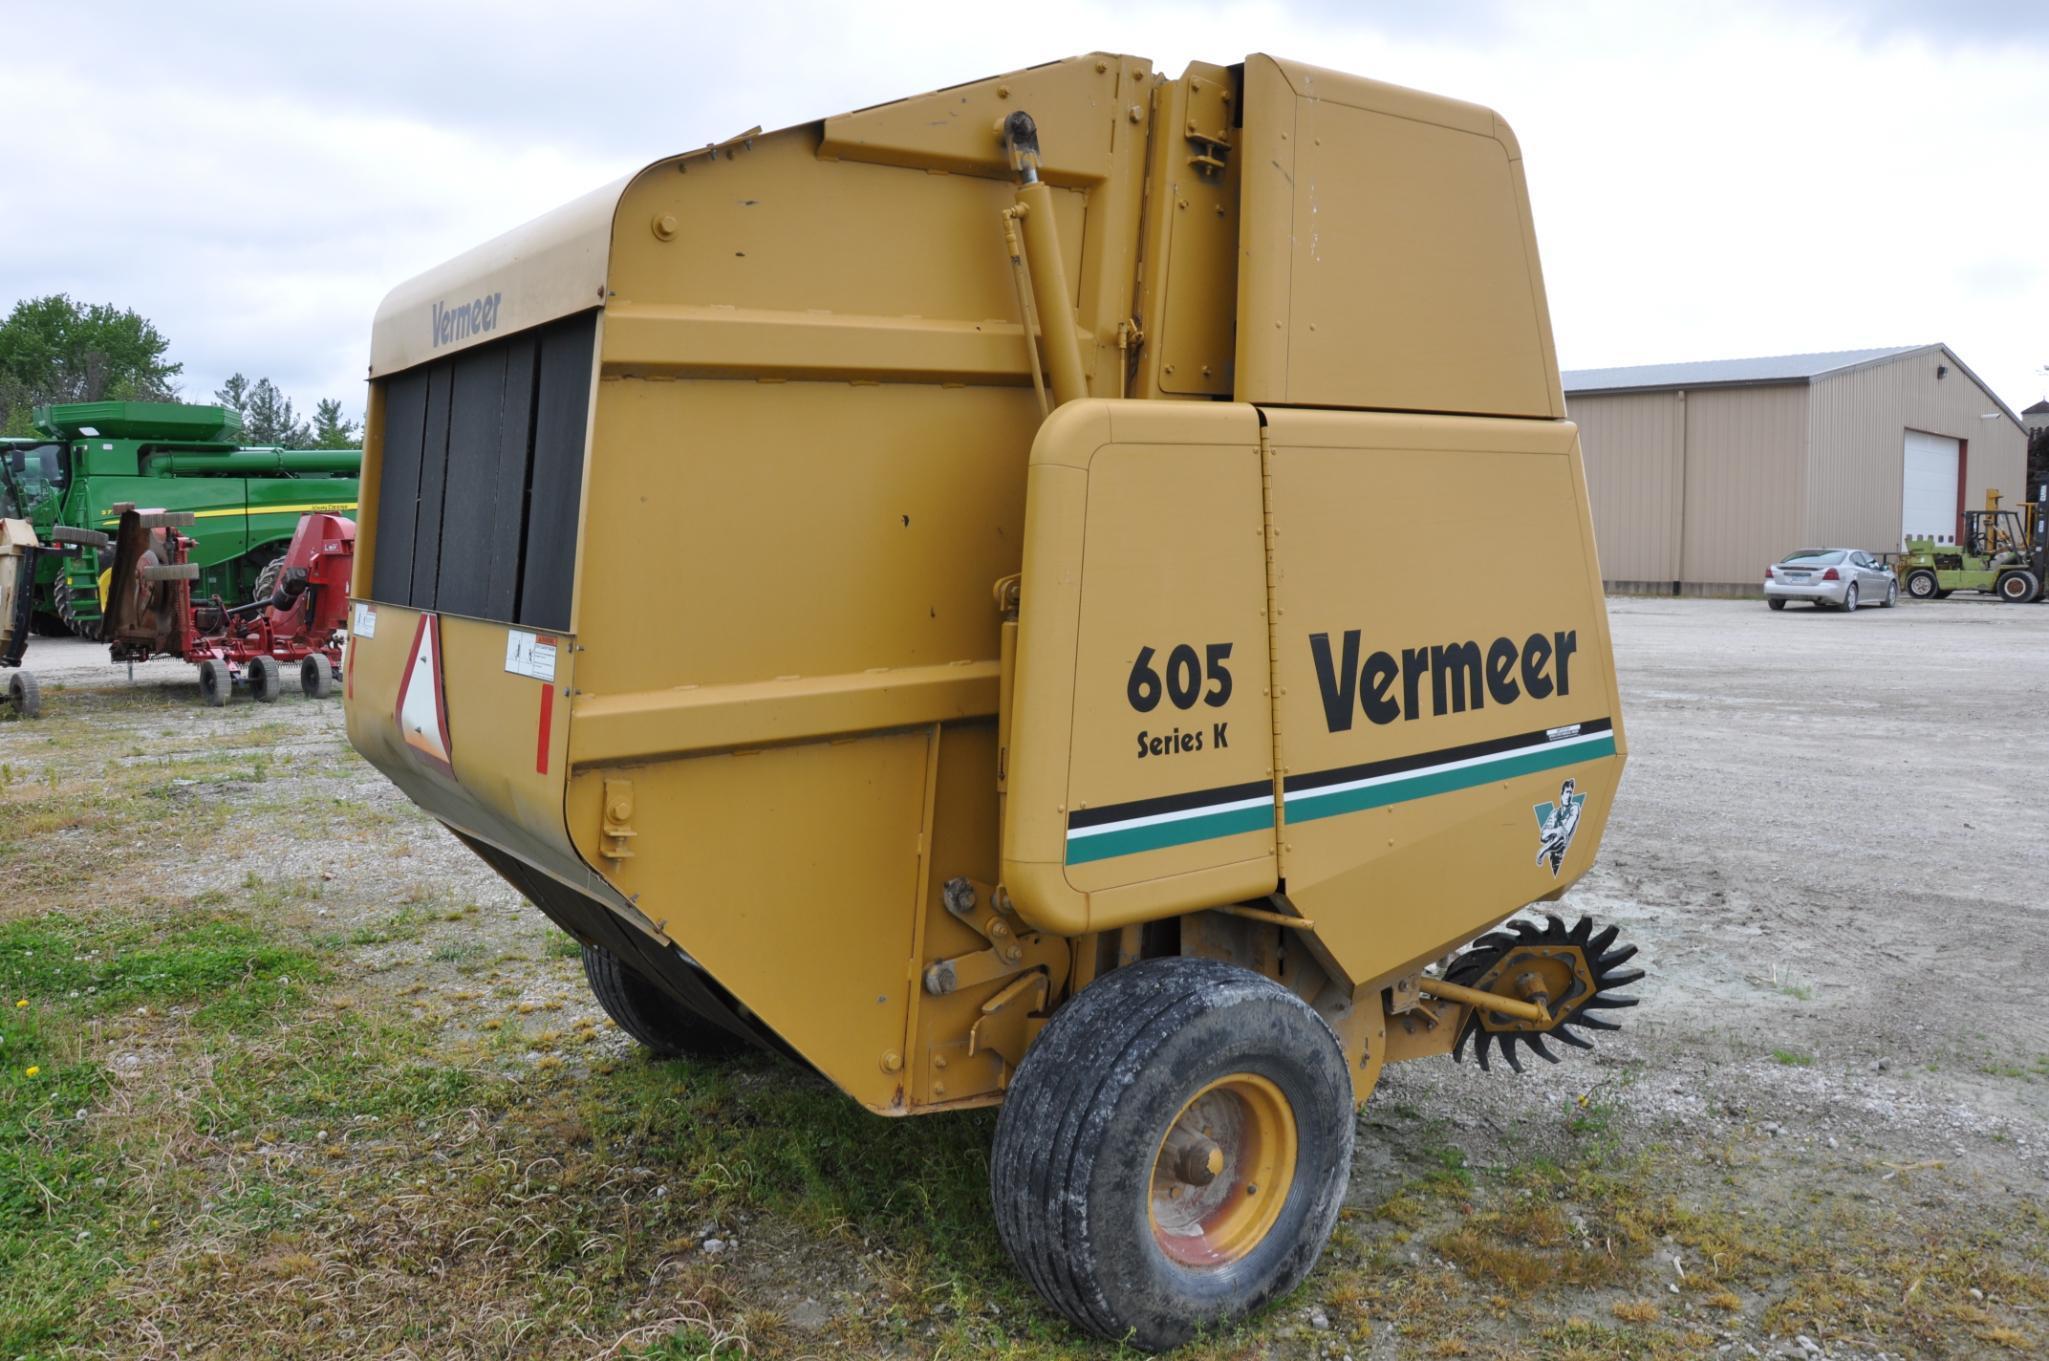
x,y
94,456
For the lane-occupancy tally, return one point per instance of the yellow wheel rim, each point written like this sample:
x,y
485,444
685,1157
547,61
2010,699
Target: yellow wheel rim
x,y
1223,1171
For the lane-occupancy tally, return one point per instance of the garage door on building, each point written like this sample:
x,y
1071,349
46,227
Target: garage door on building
x,y
1928,497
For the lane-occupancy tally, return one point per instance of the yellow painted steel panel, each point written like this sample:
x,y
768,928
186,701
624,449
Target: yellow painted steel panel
x,y
809,927
1424,712
715,575
548,268
1388,259
508,746
1140,773
1077,104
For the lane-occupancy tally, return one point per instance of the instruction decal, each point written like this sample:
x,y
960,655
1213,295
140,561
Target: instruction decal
x,y
365,622
530,654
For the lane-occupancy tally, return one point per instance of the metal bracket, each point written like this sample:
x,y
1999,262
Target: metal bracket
x,y
1404,995
1011,948
615,832
1001,1028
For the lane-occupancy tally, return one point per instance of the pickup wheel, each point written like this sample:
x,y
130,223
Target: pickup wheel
x,y
25,694
1849,605
266,680
661,1023
1921,585
316,677
215,684
1172,1151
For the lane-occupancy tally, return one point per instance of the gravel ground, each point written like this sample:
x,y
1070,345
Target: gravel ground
x,y
1830,839
1829,844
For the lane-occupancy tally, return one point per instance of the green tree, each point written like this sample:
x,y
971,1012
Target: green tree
x,y
55,350
234,395
330,429
268,416
272,420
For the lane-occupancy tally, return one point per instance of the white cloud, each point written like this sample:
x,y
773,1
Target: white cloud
x,y
1709,180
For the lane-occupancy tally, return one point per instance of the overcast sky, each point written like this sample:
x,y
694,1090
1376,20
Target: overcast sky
x,y
1709,180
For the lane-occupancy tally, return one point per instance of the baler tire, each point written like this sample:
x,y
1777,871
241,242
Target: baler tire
x,y
1073,1175
215,683
266,680
316,677
25,694
662,1025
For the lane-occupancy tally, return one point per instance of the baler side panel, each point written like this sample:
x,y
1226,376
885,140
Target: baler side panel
x,y
1140,768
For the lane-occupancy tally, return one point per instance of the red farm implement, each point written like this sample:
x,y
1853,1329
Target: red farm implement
x,y
297,617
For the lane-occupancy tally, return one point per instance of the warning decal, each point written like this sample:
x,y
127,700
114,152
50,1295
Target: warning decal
x,y
422,711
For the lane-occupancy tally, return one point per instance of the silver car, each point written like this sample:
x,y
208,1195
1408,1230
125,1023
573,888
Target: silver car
x,y
1840,578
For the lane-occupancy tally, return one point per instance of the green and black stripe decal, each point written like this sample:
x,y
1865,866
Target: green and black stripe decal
x,y
1175,820
1206,814
1327,793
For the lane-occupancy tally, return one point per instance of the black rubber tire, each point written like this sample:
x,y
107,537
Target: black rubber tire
x,y
215,684
658,1021
316,677
1070,1173
266,581
24,694
1921,584
1849,605
2017,588
266,679
48,624
1892,596
1776,604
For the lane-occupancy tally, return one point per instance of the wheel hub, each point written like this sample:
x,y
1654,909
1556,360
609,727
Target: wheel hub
x,y
1223,1171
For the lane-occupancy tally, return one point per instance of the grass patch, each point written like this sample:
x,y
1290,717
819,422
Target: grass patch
x,y
67,1188
92,969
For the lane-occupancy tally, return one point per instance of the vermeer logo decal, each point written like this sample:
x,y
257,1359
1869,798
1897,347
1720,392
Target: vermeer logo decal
x,y
1460,676
464,320
1557,823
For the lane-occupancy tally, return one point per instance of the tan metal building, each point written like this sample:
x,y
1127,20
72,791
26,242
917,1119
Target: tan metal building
x,y
1702,473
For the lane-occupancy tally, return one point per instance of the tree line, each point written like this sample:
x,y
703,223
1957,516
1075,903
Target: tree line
x,y
54,349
